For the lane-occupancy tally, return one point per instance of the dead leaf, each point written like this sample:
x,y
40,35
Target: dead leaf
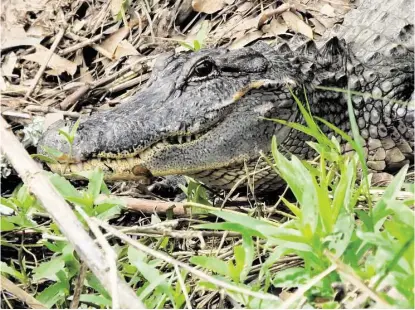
x,y
57,63
276,27
245,6
318,26
125,48
328,10
296,24
247,24
8,65
111,43
85,76
116,6
208,6
17,36
246,39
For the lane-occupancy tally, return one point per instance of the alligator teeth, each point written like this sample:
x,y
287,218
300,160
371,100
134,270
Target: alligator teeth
x,y
188,138
179,139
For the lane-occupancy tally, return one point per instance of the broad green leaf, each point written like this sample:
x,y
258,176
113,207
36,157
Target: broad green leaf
x,y
5,225
290,278
211,263
64,187
44,158
95,183
261,226
48,270
11,271
52,294
97,300
342,234
93,282
54,153
388,196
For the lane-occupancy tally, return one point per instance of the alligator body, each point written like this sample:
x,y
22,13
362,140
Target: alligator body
x,y
203,114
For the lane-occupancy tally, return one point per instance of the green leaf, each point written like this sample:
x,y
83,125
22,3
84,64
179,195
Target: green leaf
x,y
186,45
44,158
94,283
54,153
97,300
388,196
290,278
262,227
11,271
52,294
5,225
48,270
202,34
151,274
211,263
74,129
342,234
96,179
64,187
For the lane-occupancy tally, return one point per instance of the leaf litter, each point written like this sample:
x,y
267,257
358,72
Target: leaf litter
x,y
104,38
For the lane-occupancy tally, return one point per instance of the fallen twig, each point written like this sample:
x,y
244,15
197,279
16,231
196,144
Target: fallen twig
x,y
60,211
28,299
42,68
161,207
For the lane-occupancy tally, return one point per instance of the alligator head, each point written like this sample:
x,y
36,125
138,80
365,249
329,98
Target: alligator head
x,y
200,111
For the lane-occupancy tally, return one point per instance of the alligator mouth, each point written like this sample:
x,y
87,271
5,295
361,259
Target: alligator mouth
x,y
127,165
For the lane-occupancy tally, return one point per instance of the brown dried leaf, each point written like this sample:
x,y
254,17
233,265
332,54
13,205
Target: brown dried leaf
x,y
246,39
275,27
208,6
111,43
57,63
296,24
17,36
318,26
116,6
125,48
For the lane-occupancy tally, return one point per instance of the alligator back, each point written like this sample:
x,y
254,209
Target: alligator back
x,y
378,26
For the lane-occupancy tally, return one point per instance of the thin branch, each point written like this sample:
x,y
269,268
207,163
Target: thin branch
x,y
39,184
28,299
42,68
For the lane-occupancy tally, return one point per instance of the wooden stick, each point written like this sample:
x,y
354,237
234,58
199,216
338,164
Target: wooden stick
x,y
148,206
29,300
39,184
42,68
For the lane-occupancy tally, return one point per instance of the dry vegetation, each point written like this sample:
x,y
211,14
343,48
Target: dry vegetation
x,y
68,58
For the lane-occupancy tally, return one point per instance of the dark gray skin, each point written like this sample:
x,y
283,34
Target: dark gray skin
x,y
219,98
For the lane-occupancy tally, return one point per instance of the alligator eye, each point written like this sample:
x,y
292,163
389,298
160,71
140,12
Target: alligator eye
x,y
203,69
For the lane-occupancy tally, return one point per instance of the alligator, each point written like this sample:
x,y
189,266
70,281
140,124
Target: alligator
x,y
206,114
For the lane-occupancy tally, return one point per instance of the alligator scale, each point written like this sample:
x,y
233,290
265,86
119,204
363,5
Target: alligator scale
x,y
203,114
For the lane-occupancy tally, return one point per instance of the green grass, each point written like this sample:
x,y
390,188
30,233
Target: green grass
x,y
339,245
